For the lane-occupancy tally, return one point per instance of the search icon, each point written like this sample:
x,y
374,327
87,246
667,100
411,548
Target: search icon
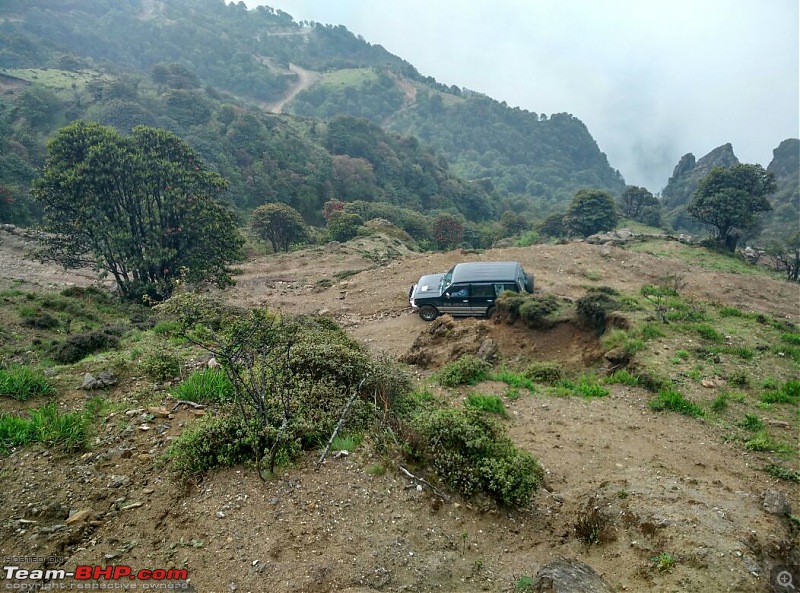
x,y
784,579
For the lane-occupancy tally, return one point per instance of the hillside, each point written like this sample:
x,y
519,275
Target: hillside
x,y
206,70
652,500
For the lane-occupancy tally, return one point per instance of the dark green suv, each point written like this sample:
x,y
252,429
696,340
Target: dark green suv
x,y
468,289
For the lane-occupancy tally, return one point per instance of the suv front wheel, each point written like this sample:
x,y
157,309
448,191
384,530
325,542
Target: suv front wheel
x,y
428,313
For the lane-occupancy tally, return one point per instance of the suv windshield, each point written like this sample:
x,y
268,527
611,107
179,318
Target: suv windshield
x,y
447,280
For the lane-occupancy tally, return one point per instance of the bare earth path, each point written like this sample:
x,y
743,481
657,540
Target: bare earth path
x,y
305,78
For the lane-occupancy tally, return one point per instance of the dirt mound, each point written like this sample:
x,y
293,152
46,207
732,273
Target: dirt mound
x,y
445,339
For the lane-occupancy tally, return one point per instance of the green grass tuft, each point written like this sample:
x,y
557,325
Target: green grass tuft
x,y
486,403
66,431
622,377
750,422
22,383
513,379
671,399
208,385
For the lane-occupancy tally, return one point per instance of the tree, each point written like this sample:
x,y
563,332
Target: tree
x,y
591,211
447,230
280,224
343,226
729,199
143,208
637,203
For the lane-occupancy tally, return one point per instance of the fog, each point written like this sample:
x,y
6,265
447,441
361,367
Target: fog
x,y
651,80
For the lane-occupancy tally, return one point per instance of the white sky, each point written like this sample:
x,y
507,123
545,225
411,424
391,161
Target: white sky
x,y
651,80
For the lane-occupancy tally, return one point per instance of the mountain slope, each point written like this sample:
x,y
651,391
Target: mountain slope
x,y
535,163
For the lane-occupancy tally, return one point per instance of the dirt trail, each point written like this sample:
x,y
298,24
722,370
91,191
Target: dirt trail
x,y
305,78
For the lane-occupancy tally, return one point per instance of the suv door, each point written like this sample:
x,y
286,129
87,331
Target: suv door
x,y
482,296
455,300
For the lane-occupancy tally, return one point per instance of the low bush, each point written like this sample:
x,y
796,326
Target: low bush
x,y
78,346
594,307
161,364
472,453
467,370
543,372
22,383
41,321
531,309
214,441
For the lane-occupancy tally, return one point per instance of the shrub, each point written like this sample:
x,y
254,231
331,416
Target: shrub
x,y
213,441
511,306
41,321
343,226
207,385
22,383
527,239
594,307
544,372
161,364
671,399
486,403
78,346
471,452
750,422
467,370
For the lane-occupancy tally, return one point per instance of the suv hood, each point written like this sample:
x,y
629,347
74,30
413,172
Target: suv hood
x,y
428,286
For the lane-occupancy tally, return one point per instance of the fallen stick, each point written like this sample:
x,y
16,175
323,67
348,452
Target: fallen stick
x,y
433,488
188,403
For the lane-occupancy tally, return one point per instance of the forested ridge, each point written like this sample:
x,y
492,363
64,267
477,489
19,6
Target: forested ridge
x,y
213,73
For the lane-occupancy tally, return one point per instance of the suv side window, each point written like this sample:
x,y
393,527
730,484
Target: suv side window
x,y
459,291
500,288
483,290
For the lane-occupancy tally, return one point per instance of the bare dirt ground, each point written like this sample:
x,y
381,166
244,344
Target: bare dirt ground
x,y
663,482
305,78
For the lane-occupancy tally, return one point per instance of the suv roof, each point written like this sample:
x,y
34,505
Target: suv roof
x,y
494,271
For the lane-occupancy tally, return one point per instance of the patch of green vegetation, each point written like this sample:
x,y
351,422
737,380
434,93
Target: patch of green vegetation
x,y
214,441
594,307
650,331
349,77
671,399
707,332
523,584
161,363
762,441
622,377
466,370
590,526
633,346
531,309
408,404
486,403
793,352
204,386
663,562
166,328
789,393
513,379
22,383
783,473
586,386
750,422
376,469
68,432
471,452
793,339
730,312
527,239
347,442
78,346
593,276
720,403
544,372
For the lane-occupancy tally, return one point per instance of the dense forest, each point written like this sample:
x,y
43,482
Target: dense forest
x,y
369,129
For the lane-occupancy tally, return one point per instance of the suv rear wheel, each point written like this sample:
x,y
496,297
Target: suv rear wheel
x,y
428,313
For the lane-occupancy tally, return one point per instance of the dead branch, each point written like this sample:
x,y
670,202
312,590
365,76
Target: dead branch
x,y
342,417
433,488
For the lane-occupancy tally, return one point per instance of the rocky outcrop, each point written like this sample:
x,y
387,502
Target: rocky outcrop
x,y
569,576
